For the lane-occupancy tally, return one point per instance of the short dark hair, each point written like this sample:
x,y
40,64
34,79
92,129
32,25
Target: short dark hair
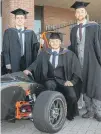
x,y
55,36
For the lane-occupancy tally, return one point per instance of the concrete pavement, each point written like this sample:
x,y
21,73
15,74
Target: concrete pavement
x,y
77,126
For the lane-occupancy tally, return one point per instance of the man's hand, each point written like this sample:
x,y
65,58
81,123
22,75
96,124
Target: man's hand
x,y
68,83
27,72
8,66
92,22
41,41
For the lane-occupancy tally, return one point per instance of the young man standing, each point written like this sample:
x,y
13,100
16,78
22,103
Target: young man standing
x,y
20,45
57,68
86,44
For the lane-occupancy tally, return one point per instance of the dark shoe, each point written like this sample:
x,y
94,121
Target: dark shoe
x,y
88,115
98,118
70,117
76,114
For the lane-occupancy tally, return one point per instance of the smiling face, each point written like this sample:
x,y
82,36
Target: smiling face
x,y
20,20
55,43
80,14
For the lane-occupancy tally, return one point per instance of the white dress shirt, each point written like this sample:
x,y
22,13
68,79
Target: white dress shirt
x,y
23,38
57,57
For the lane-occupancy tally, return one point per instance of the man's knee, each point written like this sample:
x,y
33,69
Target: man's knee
x,y
50,85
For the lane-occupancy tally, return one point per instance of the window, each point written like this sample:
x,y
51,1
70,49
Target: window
x,y
38,21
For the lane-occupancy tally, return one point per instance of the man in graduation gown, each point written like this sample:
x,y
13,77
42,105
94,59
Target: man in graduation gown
x,y
57,68
86,44
20,46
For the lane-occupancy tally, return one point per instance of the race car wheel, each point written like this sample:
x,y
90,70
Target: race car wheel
x,y
49,112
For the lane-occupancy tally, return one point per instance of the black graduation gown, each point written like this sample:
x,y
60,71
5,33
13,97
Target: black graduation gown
x,y
92,60
12,48
71,67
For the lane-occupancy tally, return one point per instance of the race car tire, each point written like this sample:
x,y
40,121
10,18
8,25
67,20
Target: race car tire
x,y
49,112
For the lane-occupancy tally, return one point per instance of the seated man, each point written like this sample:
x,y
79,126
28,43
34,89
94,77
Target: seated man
x,y
59,69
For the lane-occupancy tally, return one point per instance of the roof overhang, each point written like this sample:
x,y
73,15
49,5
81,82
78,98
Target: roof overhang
x,y
93,9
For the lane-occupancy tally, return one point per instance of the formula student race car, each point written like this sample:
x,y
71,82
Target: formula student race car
x,y
22,98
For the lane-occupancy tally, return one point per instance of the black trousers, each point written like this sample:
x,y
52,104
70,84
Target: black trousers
x,y
68,92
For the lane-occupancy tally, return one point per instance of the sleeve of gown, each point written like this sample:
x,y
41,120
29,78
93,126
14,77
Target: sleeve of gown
x,y
76,69
100,36
70,47
33,66
6,48
75,79
35,46
97,43
71,41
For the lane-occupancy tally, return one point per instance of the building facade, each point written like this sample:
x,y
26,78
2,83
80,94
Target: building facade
x,y
42,13
39,16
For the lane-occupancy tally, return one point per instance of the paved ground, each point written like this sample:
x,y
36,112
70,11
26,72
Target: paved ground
x,y
78,126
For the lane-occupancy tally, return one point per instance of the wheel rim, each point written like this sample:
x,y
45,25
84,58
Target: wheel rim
x,y
56,112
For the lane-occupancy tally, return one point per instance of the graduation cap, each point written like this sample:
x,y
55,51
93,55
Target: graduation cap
x,y
79,4
56,35
19,11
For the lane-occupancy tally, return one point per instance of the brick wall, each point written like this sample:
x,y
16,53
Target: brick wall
x,y
9,5
5,14
53,15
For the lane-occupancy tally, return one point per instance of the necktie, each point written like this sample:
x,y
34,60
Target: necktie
x,y
21,41
54,57
80,31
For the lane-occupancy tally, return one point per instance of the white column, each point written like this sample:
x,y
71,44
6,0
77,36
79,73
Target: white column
x,y
0,27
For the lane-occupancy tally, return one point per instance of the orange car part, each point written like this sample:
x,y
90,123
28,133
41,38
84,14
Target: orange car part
x,y
27,92
20,104
19,114
43,36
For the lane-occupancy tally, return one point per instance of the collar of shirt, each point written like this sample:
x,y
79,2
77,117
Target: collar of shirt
x,y
56,50
20,28
85,21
